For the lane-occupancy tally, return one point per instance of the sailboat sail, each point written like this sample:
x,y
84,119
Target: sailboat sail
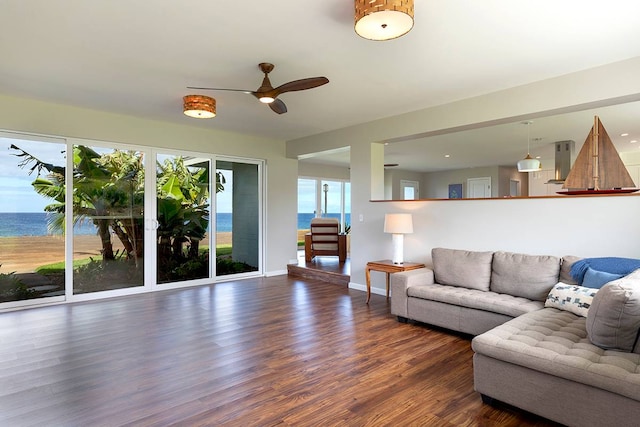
x,y
598,165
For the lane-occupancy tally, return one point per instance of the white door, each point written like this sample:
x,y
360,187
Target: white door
x,y
409,190
479,188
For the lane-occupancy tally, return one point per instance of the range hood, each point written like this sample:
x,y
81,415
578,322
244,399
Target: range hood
x,y
564,160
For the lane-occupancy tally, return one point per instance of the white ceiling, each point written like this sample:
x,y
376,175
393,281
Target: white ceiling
x,y
137,57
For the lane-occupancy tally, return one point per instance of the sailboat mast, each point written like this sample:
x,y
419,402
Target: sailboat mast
x,y
595,135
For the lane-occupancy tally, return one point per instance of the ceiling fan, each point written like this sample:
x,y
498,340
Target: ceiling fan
x,y
266,92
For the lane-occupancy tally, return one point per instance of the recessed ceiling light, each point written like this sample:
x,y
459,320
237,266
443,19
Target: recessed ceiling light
x,y
447,155
537,157
633,141
624,134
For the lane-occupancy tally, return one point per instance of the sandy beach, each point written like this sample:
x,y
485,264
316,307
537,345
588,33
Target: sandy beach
x,y
25,253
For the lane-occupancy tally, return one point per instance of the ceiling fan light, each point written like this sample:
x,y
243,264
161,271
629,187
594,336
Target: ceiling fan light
x,y
383,19
266,99
199,106
529,164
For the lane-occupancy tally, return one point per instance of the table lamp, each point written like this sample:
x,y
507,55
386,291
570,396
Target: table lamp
x,y
398,225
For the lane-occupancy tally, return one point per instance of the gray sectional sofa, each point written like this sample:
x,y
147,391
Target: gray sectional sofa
x,y
576,363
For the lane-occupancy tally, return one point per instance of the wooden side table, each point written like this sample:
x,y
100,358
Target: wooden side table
x,y
388,267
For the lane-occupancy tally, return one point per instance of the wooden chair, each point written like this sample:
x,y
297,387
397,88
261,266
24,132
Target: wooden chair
x,y
325,239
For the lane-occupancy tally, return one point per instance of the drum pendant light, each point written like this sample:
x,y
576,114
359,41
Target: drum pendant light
x,y
383,19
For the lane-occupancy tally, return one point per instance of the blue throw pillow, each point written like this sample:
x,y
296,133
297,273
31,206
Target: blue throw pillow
x,y
597,279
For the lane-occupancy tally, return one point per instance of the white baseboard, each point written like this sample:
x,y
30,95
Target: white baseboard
x,y
275,273
363,288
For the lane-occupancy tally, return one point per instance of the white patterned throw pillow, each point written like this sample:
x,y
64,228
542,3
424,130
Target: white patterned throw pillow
x,y
573,298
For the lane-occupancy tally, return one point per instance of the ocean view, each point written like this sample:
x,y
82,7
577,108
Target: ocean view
x,y
35,223
32,224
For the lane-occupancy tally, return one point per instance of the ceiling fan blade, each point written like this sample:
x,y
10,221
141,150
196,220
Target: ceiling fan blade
x,y
301,84
278,106
267,94
216,88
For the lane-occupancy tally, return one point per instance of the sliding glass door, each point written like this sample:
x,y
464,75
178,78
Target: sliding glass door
x,y
238,217
186,248
80,220
183,205
108,218
32,232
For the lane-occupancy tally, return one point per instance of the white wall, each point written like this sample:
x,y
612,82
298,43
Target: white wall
x,y
589,226
22,115
317,170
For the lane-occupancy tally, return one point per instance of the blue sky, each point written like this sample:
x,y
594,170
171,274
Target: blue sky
x,y
307,196
15,182
224,199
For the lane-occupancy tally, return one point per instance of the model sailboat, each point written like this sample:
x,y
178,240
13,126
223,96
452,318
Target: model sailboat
x,y
598,168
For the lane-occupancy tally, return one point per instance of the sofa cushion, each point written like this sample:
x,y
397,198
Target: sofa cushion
x,y
474,298
613,320
565,269
555,342
527,276
573,298
467,269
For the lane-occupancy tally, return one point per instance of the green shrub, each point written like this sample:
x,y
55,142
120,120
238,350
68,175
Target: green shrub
x,y
98,275
13,289
229,266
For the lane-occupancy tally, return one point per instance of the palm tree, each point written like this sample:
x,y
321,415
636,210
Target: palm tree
x,y
108,190
183,208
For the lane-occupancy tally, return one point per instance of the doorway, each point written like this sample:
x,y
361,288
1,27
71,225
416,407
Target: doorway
x,y
479,188
410,190
319,197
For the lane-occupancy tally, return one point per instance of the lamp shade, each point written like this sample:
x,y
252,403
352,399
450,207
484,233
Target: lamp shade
x,y
529,164
199,106
399,223
383,19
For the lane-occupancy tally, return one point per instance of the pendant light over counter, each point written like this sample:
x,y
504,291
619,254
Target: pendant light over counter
x,y
528,164
383,19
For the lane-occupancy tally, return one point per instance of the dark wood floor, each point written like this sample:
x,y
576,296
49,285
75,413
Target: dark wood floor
x,y
258,352
326,268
